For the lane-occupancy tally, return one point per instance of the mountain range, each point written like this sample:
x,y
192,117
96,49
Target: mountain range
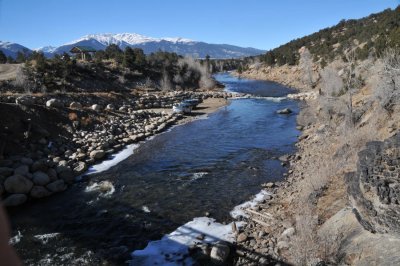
x,y
148,44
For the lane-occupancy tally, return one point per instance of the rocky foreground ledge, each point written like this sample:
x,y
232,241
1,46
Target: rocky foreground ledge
x,y
47,142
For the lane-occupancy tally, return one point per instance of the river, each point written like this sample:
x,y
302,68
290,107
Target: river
x,y
203,167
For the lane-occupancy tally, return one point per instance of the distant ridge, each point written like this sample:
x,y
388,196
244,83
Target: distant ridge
x,y
178,45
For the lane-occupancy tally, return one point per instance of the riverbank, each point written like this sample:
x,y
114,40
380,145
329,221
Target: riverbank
x,y
46,145
319,213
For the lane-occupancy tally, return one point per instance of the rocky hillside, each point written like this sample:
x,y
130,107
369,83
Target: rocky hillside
x,y
368,36
340,202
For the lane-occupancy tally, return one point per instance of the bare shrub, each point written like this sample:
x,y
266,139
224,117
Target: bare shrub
x,y
388,90
165,82
22,80
306,65
305,245
206,80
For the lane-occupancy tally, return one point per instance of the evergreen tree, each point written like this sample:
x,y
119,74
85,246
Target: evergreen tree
x,y
21,58
129,58
140,58
3,58
10,60
114,52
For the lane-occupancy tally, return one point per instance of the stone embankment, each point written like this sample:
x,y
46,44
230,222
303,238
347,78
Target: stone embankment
x,y
47,163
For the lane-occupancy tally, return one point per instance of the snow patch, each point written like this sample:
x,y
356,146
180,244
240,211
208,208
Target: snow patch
x,y
114,160
172,249
239,210
127,38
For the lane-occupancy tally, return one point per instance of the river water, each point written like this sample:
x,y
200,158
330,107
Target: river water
x,y
206,166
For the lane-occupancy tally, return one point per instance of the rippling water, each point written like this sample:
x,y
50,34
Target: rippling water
x,y
209,165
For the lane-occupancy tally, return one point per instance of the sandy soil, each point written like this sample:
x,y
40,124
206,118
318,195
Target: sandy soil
x,y
8,71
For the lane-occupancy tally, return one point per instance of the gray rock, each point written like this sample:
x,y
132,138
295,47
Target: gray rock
x,y
110,107
97,154
219,253
75,105
284,111
15,200
57,186
27,161
6,163
52,173
96,107
18,184
6,171
39,165
68,176
40,178
54,103
39,192
25,100
80,168
282,245
241,237
288,232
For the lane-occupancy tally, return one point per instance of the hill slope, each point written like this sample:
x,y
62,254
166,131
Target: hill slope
x,y
371,34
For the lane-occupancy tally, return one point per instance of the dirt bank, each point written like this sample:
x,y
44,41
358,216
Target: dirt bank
x,y
314,215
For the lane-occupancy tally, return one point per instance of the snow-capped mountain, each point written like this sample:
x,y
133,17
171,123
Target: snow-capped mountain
x,y
126,39
149,45
178,45
46,49
11,49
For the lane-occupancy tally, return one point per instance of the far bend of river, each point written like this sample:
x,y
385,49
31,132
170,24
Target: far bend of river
x,y
209,165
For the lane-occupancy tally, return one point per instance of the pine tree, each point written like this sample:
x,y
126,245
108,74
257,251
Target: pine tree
x,y
129,58
21,58
3,58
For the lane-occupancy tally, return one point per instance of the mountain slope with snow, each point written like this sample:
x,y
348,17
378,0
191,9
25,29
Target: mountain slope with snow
x,y
178,45
149,45
11,49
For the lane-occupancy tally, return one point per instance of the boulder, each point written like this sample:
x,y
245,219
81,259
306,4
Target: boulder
x,y
26,160
219,253
39,165
15,200
6,163
80,167
40,178
97,154
75,105
25,100
96,107
39,192
284,111
54,103
288,233
282,245
52,173
67,175
18,184
6,171
57,186
241,238
110,107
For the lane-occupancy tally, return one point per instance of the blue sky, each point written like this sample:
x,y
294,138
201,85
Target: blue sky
x,y
251,23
